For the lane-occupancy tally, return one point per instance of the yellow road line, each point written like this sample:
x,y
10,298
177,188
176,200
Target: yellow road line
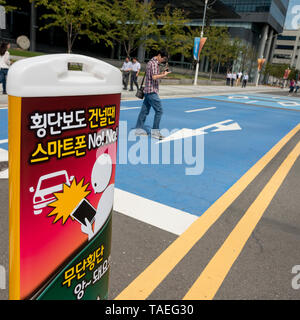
x,y
154,274
215,272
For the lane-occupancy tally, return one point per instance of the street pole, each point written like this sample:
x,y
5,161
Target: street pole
x,y
258,76
257,80
201,36
33,27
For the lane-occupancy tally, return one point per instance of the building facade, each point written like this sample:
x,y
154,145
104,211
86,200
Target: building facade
x,y
287,49
259,24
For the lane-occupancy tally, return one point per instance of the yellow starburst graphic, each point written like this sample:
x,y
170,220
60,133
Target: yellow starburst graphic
x,y
67,200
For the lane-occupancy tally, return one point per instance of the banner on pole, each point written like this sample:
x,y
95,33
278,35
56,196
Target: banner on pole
x,y
286,74
198,46
260,63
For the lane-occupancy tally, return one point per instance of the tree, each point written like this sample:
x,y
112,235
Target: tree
x,y
133,23
6,6
77,18
218,48
278,70
173,33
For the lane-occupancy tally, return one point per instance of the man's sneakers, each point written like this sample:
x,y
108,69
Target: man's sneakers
x,y
140,132
154,133
157,135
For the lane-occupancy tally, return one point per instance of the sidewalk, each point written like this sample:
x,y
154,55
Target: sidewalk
x,y
167,91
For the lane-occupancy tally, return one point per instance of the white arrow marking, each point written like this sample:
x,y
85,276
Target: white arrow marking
x,y
4,174
289,103
238,97
4,141
3,155
186,133
231,127
251,101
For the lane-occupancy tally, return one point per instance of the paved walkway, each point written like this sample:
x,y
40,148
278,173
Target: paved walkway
x,y
186,90
191,90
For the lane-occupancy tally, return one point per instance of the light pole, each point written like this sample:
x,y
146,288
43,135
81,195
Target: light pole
x,y
261,59
33,27
201,36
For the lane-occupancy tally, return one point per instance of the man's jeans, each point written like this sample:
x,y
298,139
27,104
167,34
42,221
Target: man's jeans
x,y
150,100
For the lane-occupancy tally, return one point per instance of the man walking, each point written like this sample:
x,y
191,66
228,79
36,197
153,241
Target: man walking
x,y
151,98
245,80
228,78
126,68
135,70
239,78
233,78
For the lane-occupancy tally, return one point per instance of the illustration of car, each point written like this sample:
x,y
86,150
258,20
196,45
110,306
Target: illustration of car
x,y
49,184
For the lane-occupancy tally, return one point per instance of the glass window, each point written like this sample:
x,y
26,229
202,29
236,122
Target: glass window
x,y
249,5
233,24
282,47
277,14
282,56
282,37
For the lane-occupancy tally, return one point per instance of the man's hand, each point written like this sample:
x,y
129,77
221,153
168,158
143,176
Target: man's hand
x,y
162,75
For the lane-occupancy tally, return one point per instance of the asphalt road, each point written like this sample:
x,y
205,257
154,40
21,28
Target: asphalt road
x,y
262,270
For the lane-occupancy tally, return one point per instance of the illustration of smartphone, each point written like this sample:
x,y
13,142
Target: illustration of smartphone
x,y
84,210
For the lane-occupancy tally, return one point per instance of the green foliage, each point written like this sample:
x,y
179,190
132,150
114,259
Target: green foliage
x,y
276,70
293,73
218,47
7,6
173,33
248,57
77,18
23,53
132,24
222,50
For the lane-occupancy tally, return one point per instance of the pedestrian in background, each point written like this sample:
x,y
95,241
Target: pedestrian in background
x,y
126,68
151,98
239,78
228,78
135,70
4,63
297,86
245,80
292,86
233,79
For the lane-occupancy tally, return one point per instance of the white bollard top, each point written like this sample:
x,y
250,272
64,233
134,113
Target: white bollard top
x,y
49,76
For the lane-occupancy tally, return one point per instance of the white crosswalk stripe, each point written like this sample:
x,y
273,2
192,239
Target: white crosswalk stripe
x,y
3,164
